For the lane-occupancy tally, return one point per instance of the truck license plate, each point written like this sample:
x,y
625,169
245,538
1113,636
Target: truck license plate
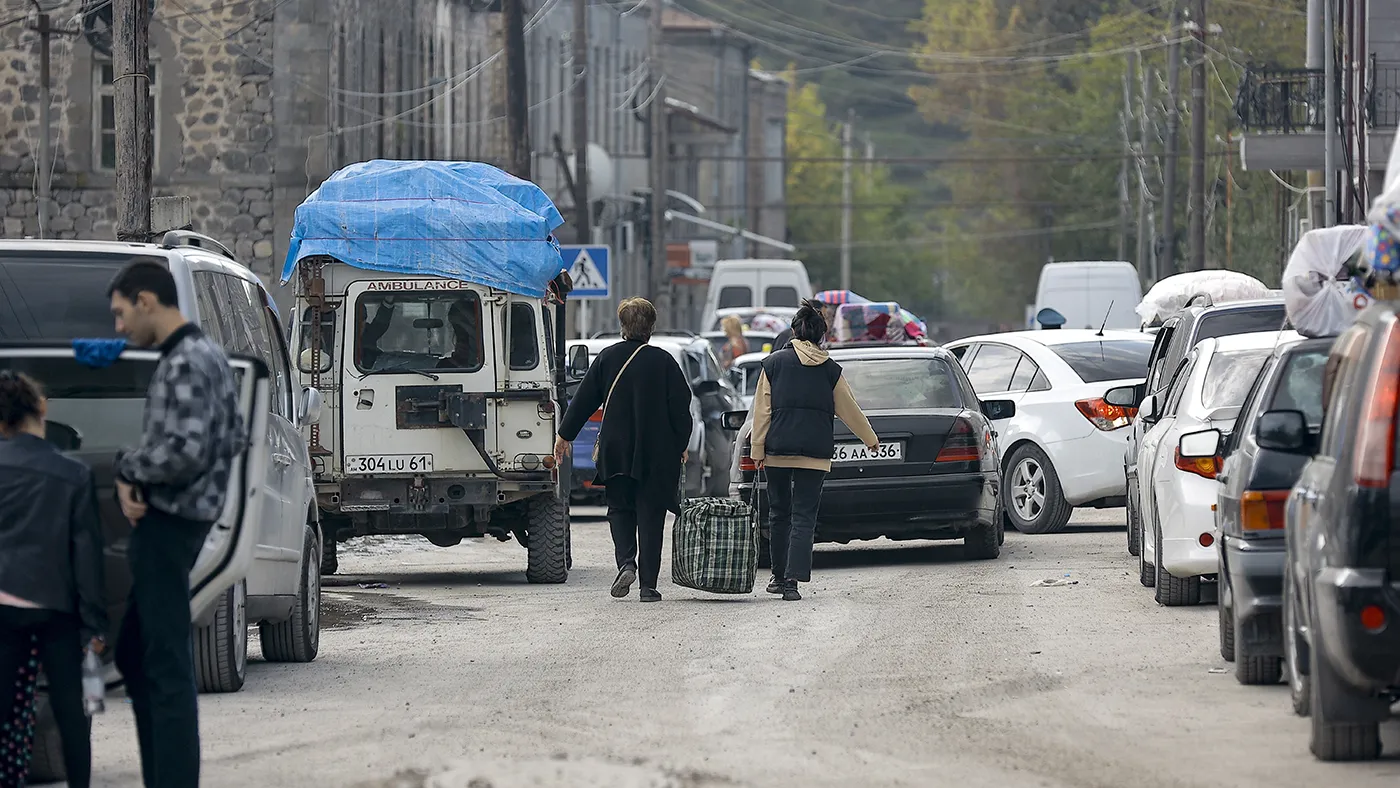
x,y
854,452
389,463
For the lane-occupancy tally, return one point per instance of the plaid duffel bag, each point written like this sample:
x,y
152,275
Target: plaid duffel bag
x,y
714,546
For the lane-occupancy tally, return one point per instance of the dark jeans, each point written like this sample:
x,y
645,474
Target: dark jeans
x,y
793,497
155,651
633,517
60,653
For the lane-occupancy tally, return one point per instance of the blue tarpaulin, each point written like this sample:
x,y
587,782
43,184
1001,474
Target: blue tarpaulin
x,y
457,220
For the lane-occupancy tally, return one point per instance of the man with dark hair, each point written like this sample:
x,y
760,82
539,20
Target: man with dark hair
x,y
641,443
172,487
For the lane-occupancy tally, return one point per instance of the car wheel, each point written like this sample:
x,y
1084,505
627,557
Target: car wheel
x,y
1172,591
1134,529
980,543
221,649
1335,740
548,549
298,638
1032,494
1147,573
1001,528
1227,627
1299,684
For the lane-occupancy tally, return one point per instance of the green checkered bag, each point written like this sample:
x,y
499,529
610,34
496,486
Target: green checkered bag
x,y
714,545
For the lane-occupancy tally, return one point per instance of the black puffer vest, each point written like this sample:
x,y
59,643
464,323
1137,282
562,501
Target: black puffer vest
x,y
804,406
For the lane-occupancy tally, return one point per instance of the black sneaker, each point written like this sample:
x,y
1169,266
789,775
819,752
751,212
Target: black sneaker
x,y
622,586
790,591
775,586
651,595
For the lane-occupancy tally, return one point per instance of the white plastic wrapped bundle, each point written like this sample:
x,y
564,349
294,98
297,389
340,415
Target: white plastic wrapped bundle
x,y
1318,304
1170,295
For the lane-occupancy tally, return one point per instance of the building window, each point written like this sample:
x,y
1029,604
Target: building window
x,y
105,133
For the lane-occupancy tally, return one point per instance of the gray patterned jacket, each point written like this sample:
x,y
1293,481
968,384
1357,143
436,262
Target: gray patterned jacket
x,y
192,430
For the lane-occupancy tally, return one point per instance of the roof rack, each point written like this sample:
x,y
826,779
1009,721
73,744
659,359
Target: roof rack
x,y
178,238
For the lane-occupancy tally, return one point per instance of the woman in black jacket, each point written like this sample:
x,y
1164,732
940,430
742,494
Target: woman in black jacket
x,y
641,443
51,599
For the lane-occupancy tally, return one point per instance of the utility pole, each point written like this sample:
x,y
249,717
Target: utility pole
x,y
846,132
131,64
1314,63
1168,259
1124,194
582,207
1196,200
1329,131
1144,234
659,155
517,90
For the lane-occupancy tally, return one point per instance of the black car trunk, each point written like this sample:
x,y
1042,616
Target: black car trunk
x,y
921,434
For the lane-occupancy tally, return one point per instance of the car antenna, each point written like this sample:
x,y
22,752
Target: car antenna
x,y
1105,318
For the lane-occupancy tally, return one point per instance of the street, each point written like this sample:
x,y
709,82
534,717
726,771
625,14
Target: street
x,y
903,665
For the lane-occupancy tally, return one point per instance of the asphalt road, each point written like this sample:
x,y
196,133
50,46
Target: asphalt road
x,y
904,665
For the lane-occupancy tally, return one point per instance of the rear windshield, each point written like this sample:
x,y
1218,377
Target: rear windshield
x,y
1300,386
735,296
420,331
61,295
1241,321
1106,359
1230,376
103,406
901,383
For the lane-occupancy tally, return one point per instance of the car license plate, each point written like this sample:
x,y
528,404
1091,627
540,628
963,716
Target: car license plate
x,y
854,452
389,463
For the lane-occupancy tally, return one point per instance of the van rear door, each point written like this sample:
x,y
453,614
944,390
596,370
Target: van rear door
x,y
95,412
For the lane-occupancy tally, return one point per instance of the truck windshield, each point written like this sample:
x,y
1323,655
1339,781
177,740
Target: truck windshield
x,y
418,331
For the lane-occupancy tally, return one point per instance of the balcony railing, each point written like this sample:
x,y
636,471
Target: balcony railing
x,y
1291,101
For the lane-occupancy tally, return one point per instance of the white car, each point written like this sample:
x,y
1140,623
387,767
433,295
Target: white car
x,y
744,375
1064,446
1177,463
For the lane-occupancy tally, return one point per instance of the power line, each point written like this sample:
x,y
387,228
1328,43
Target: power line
x,y
930,240
989,159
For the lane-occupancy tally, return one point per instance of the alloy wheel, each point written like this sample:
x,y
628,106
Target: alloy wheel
x,y
1028,489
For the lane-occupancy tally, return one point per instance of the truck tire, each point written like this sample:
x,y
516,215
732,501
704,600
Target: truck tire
x,y
548,551
330,563
298,638
221,649
1029,473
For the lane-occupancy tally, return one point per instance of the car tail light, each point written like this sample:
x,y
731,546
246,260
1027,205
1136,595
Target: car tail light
x,y
1201,466
746,462
1375,446
961,445
1105,416
1262,510
597,416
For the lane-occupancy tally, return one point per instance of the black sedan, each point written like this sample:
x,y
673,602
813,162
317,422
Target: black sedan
x,y
1254,485
936,474
1341,607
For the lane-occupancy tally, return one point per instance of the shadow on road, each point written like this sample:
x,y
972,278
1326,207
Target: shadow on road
x,y
855,555
422,579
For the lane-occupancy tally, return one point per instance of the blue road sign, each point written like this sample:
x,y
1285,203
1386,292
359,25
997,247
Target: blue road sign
x,y
588,265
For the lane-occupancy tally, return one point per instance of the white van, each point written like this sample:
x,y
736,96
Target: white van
x,y
1088,293
756,284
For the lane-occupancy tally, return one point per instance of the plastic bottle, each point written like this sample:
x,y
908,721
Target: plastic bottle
x,y
94,687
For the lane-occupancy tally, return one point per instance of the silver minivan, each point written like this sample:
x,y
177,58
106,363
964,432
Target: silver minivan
x,y
57,290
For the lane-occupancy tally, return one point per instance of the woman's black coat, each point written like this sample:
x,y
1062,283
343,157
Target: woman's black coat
x,y
647,424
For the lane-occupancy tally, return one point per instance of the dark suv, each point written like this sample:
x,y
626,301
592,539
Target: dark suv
x,y
1177,336
1342,576
1254,485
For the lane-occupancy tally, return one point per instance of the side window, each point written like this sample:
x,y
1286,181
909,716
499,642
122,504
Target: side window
x,y
963,353
1159,373
1026,373
1040,382
524,344
712,370
1178,386
1249,412
993,367
278,365
1347,355
549,336
207,292
327,335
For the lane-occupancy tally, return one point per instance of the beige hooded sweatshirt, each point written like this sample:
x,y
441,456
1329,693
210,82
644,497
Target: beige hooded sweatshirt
x,y
846,410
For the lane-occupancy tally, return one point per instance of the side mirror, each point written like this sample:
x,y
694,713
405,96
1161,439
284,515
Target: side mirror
x,y
707,387
733,420
578,361
66,438
1125,396
1282,430
1147,411
1196,445
998,409
304,362
311,406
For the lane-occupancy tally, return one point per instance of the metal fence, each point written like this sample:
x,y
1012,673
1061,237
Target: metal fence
x,y
1292,101
1383,103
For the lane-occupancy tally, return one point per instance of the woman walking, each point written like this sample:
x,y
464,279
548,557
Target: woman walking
x,y
799,392
735,345
641,443
51,600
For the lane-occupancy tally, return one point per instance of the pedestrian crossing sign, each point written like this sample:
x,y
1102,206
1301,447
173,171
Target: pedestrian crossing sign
x,y
588,265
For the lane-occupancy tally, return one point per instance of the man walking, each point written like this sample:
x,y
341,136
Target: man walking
x,y
172,487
